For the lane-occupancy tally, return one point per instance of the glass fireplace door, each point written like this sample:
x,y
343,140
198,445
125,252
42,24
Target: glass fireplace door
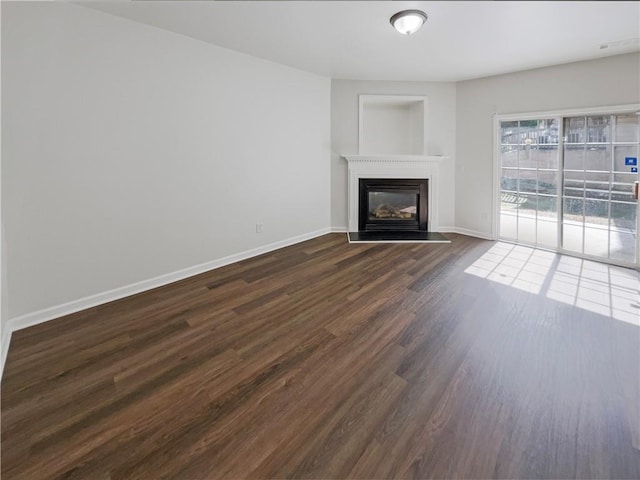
x,y
393,204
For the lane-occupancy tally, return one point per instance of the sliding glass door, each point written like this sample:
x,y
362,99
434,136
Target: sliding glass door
x,y
599,211
566,183
529,181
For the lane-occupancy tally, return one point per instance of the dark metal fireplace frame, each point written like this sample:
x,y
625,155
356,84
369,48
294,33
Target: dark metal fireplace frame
x,y
406,185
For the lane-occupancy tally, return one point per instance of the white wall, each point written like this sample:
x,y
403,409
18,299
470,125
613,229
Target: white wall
x,y
344,136
603,82
4,331
131,152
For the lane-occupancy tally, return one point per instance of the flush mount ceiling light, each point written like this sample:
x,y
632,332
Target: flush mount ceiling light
x,y
408,21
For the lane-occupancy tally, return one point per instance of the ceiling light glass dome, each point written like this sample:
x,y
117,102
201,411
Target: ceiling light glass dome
x,y
408,21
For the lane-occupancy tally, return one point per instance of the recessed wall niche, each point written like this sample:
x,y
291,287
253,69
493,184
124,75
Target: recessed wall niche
x,y
392,124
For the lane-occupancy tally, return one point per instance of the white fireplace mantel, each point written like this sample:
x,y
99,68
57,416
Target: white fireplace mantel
x,y
394,159
394,166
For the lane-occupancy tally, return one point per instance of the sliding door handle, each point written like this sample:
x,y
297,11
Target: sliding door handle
x,y
635,189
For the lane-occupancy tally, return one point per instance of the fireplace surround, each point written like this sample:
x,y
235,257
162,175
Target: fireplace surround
x,y
392,167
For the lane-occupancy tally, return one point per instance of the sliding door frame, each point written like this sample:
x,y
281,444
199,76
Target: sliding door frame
x,y
560,114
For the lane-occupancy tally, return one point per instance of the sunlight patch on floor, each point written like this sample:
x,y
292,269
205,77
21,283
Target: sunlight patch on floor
x,y
597,287
514,265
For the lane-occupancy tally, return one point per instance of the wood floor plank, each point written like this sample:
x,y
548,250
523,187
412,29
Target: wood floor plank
x,y
331,360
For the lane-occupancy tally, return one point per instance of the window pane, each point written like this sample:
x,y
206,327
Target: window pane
x,y
509,180
596,242
598,129
596,213
623,216
527,156
597,157
622,246
548,131
573,209
547,233
526,228
509,132
547,207
574,157
509,156
509,202
508,224
572,237
574,130
547,182
547,156
626,128
528,132
528,203
528,181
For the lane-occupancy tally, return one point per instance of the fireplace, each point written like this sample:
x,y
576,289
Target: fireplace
x,y
393,204
406,168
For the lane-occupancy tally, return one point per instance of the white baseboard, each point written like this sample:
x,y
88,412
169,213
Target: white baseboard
x,y
74,306
6,339
464,231
445,229
339,229
473,233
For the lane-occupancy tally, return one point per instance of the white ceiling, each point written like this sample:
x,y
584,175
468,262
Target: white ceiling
x,y
354,40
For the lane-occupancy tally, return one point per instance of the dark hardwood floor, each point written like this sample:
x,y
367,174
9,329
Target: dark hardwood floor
x,y
327,360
